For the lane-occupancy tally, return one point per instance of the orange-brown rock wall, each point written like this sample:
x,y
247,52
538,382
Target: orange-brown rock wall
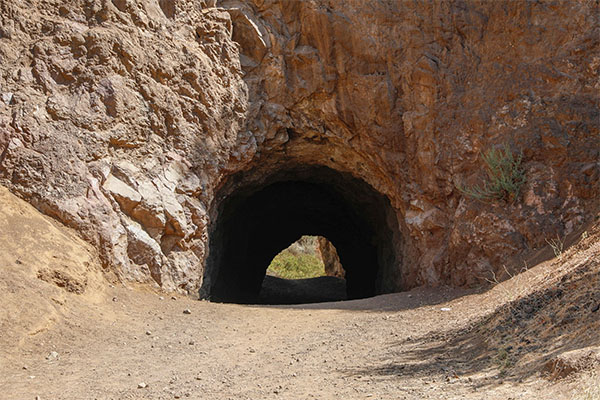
x,y
406,95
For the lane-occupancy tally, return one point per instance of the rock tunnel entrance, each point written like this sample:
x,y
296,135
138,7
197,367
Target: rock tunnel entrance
x,y
253,219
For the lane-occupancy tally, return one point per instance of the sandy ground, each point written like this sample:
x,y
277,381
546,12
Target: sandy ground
x,y
72,335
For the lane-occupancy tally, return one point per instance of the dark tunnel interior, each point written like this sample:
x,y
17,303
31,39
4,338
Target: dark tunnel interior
x,y
257,220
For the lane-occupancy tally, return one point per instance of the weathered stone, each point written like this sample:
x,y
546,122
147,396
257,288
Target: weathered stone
x,y
150,212
127,197
170,104
144,251
248,32
176,221
190,184
331,260
7,98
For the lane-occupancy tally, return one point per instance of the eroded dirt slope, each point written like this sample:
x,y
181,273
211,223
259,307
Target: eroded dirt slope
x,y
43,265
427,343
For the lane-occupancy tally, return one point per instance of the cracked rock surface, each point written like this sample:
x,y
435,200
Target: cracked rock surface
x,y
130,121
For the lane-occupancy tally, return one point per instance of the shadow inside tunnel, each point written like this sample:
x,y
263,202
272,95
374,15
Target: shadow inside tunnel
x,y
279,291
316,293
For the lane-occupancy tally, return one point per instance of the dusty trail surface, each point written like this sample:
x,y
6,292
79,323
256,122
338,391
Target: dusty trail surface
x,y
69,334
238,352
383,348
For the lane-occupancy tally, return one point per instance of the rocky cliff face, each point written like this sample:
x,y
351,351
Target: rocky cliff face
x,y
117,117
131,121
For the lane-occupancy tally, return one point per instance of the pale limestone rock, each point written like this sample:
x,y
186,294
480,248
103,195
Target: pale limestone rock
x,y
125,195
7,98
190,185
176,221
150,212
143,250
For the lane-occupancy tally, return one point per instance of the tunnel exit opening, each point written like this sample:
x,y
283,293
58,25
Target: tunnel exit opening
x,y
308,271
255,218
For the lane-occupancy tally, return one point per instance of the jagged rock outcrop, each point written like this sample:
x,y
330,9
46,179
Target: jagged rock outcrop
x,y
331,260
116,116
125,120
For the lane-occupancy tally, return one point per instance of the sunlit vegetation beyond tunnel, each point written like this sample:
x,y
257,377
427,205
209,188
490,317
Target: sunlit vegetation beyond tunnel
x,y
301,260
308,271
254,220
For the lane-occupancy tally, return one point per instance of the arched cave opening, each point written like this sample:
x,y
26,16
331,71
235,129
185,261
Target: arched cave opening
x,y
255,216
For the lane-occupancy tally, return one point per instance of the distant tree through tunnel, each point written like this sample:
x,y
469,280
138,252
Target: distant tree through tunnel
x,y
255,219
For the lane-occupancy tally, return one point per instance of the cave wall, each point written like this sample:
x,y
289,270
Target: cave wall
x,y
126,119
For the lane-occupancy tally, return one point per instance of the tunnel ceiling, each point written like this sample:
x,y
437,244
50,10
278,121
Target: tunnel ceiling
x,y
257,220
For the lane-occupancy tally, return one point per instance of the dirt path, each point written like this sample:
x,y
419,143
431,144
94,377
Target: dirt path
x,y
382,348
65,333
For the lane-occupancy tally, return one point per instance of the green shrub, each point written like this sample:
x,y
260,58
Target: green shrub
x,y
296,266
505,176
